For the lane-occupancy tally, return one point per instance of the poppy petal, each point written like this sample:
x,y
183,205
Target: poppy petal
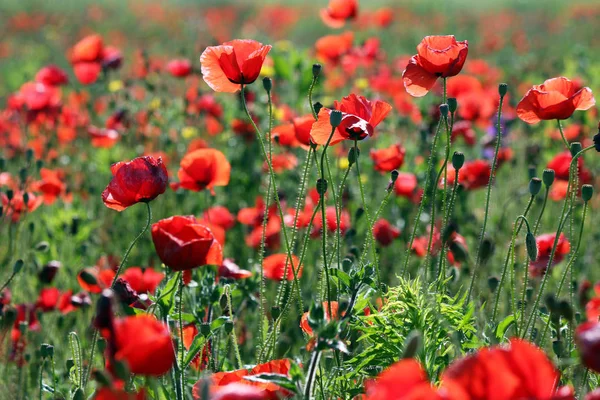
x,y
417,81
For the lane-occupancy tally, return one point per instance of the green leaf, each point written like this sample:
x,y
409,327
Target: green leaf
x,y
219,322
76,373
342,276
282,380
194,349
504,325
166,299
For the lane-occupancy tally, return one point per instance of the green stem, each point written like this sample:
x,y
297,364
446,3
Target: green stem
x,y
236,348
448,214
539,219
181,345
311,375
562,135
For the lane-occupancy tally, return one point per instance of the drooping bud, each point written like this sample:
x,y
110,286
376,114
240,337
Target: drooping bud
x,y
535,185
317,106
548,177
531,244
335,118
502,89
487,250
48,271
353,155
394,176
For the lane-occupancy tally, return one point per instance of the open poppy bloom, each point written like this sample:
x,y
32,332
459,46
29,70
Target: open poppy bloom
x,y
556,98
388,159
338,11
331,48
359,119
179,68
182,243
384,232
587,337
330,222
89,56
220,216
473,175
228,66
437,57
51,184
305,326
144,343
204,169
545,243
52,75
144,280
407,186
277,267
140,180
108,393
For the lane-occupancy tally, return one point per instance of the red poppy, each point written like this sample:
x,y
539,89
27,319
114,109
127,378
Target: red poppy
x,y
220,216
179,68
407,186
334,311
139,180
107,393
281,162
204,169
270,391
405,379
359,119
338,11
51,184
545,243
473,175
52,75
587,337
383,17
295,133
272,234
465,130
37,96
143,280
276,265
388,159
102,137
19,204
556,98
90,55
229,269
437,56
144,343
228,66
561,164
331,221
182,243
384,232
302,126
254,215
238,391
331,48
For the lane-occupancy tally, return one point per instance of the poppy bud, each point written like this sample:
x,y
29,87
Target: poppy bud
x,y
493,283
444,110
535,185
205,329
551,303
548,177
10,194
458,251
597,141
29,154
502,89
317,106
486,250
586,192
353,155
394,178
575,148
321,186
18,265
412,345
335,118
26,198
9,318
104,312
275,312
39,164
346,264
88,278
565,310
267,84
448,231
42,247
531,244
2,163
316,70
316,316
458,159
558,347
228,327
23,174
49,271
452,104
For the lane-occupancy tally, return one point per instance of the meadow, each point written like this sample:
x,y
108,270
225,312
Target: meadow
x,y
328,199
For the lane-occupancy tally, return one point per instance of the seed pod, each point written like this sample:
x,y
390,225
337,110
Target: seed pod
x,y
531,244
317,106
575,148
458,160
267,84
17,266
548,177
353,155
335,118
535,185
316,70
502,89
587,191
444,110
452,104
321,186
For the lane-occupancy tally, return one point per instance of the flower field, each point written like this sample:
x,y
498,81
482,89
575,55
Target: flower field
x,y
329,199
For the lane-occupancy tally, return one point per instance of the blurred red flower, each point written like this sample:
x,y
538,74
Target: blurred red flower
x,y
334,312
179,68
276,265
587,337
545,243
388,159
203,169
142,280
384,232
338,11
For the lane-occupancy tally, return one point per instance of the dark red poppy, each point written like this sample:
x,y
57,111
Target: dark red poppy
x,y
587,337
545,243
338,12
464,129
108,393
437,57
238,391
228,66
473,175
52,75
388,159
556,98
179,68
204,169
182,243
334,312
331,222
359,119
220,216
142,280
384,232
276,265
144,343
229,269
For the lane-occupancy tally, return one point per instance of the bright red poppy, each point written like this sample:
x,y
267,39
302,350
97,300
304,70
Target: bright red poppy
x,y
52,75
338,12
331,48
229,269
359,119
228,66
384,232
89,56
276,265
334,312
220,216
545,243
179,68
556,98
204,169
437,57
139,180
142,280
473,174
331,222
407,186
281,162
51,184
388,159
182,243
404,380
107,393
20,203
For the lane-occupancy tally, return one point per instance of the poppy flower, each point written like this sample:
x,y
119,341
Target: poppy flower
x,y
220,216
331,48
144,343
37,96
556,98
561,164
103,137
302,127
587,337
338,12
407,186
19,204
51,185
52,75
281,162
229,269
388,159
473,175
334,312
89,56
384,232
359,119
179,68
228,66
139,180
383,17
405,379
437,57
276,265
108,393
253,216
295,133
269,390
144,280
545,243
238,391
204,169
331,222
182,243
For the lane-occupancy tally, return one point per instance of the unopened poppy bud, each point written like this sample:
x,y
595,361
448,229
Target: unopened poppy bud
x,y
597,141
458,251
17,266
43,350
42,246
321,186
548,177
101,343
2,163
26,198
316,70
267,84
575,148
565,310
10,194
29,155
353,155
9,318
23,174
23,327
487,250
493,283
104,312
228,327
458,160
452,104
444,110
346,264
205,329
535,185
359,213
317,106
502,89
558,348
412,345
39,164
587,191
531,244
335,118
1,210
88,278
316,316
